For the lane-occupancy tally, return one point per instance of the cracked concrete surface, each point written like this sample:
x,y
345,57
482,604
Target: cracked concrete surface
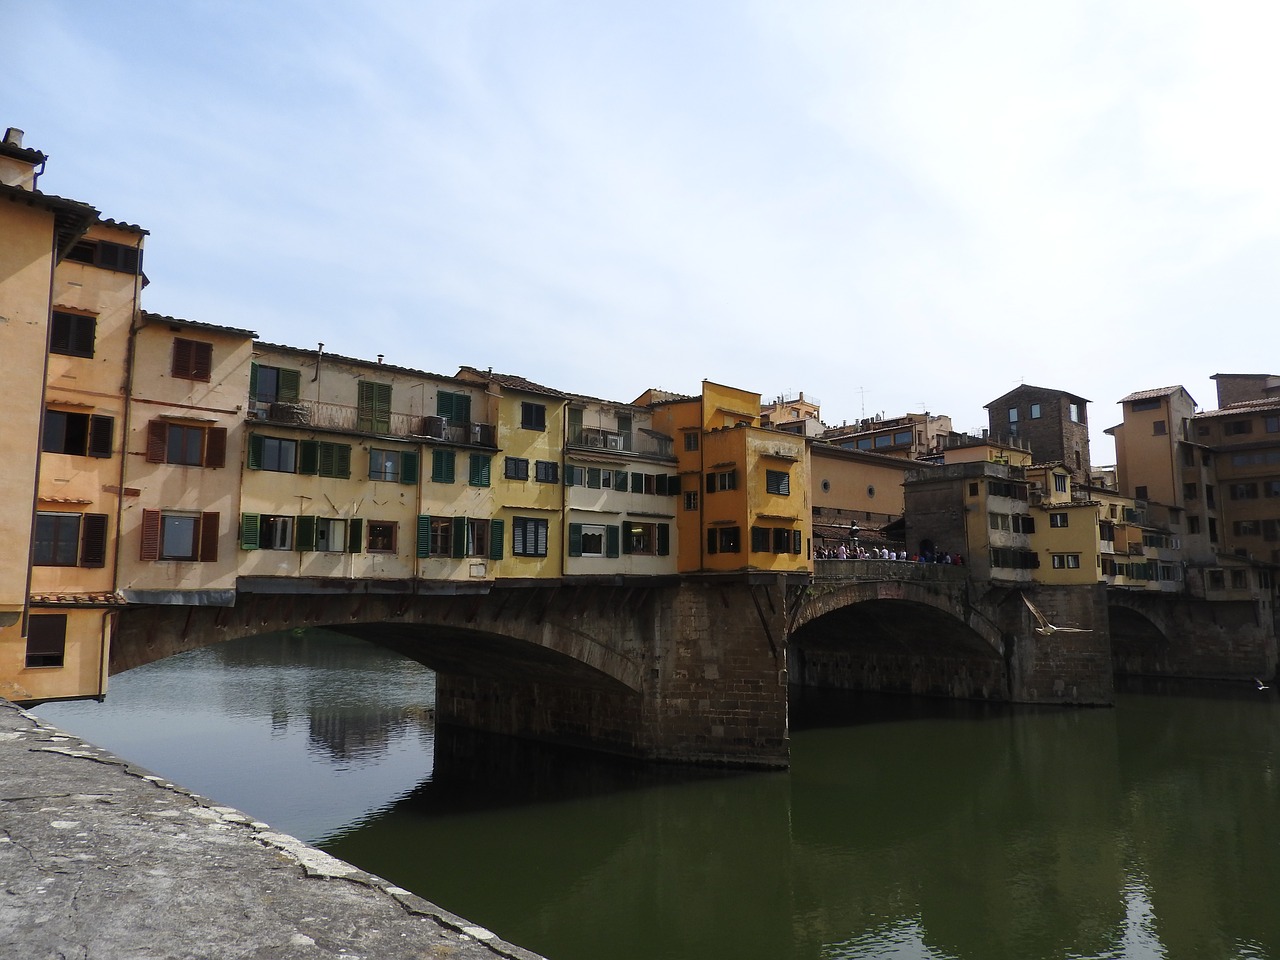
x,y
102,860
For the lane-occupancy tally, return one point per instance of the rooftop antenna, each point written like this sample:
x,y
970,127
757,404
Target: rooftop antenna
x,y
862,397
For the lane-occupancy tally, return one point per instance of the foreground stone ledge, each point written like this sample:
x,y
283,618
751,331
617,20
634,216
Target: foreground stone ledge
x,y
100,858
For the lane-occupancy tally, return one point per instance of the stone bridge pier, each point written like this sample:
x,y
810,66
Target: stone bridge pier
x,y
689,669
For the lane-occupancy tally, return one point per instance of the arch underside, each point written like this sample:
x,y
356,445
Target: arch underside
x,y
897,646
1138,646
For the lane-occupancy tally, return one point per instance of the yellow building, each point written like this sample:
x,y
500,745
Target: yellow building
x,y
377,485
852,487
528,507
64,319
186,427
744,489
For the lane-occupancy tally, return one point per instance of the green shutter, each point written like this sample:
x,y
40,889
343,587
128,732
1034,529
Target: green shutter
x,y
462,407
253,381
637,483
442,466
287,385
409,466
424,536
620,481
305,533
341,461
255,451
373,410
664,539
711,540
626,541
249,526
355,536
496,533
459,537
570,476
660,484
309,457
575,539
593,478
444,404
797,541
479,473
612,540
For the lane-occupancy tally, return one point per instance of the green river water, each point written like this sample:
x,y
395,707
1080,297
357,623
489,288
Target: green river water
x,y
905,829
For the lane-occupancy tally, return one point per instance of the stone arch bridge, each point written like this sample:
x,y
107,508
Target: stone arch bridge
x,y
696,669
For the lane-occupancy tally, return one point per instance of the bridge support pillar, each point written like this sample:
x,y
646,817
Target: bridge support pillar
x,y
1064,667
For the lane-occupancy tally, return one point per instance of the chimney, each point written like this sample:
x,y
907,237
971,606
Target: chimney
x,y
13,137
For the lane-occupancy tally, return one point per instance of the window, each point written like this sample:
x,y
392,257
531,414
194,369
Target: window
x,y
321,458
1076,412
759,539
1271,488
593,477
440,543
1244,491
593,540
1057,519
57,539
397,466
271,532
1193,524
62,539
1190,491
1237,428
276,533
478,472
273,384
272,453
650,539
691,440
575,476
477,538
1217,580
620,481
865,443
546,471
1140,493
72,334
46,639
533,416
1247,528
884,440
1239,579
454,407
1035,411
781,540
173,535
1272,424
331,535
186,445
902,437
999,521
724,540
1013,415
777,482
442,462
529,537
1066,561
382,536
107,255
516,468
192,359
1060,483
1158,428
78,434
723,480
373,407
691,500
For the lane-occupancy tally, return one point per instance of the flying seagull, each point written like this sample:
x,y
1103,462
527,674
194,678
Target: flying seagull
x,y
1047,629
1261,685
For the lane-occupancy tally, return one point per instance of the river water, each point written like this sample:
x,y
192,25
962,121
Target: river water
x,y
904,830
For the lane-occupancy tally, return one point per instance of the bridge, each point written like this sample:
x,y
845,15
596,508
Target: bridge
x,y
696,668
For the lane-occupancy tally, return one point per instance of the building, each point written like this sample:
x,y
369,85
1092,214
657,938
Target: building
x,y
793,415
744,489
1054,423
911,436
853,488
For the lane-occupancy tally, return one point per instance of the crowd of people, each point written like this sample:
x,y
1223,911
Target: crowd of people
x,y
859,552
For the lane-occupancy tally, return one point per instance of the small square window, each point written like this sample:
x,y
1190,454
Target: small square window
x,y
533,416
382,536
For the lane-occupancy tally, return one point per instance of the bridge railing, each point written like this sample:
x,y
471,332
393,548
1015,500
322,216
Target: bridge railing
x,y
887,570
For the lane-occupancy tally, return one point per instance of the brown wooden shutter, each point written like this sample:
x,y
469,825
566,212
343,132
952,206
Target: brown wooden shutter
x,y
208,537
215,447
150,535
201,360
157,441
93,540
101,435
181,366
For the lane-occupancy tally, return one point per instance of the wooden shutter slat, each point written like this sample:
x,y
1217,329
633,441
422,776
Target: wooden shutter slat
x,y
288,385
575,539
215,447
250,527
496,534
93,540
355,535
209,537
459,545
157,441
101,435
424,536
305,533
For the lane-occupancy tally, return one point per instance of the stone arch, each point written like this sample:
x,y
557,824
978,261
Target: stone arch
x,y
1140,643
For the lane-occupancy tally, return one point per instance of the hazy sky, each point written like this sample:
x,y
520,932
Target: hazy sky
x,y
893,206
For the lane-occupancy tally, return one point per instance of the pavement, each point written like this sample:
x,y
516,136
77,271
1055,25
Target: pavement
x,y
103,860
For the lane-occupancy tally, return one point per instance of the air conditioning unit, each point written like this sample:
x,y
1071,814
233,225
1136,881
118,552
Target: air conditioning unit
x,y
434,427
593,440
256,414
613,443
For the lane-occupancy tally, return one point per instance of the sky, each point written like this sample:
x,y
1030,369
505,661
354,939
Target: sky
x,y
893,207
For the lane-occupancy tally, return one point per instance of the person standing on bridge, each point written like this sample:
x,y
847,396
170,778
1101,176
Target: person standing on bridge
x,y
842,553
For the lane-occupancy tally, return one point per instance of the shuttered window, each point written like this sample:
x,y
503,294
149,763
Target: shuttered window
x,y
93,540
373,407
442,466
72,334
478,473
46,639
454,407
192,359
179,536
186,445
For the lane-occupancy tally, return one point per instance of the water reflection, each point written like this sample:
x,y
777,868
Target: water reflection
x,y
914,830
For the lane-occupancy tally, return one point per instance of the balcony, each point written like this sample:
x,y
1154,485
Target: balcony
x,y
347,419
643,442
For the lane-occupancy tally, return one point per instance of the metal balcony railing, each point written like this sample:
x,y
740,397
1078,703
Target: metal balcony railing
x,y
347,419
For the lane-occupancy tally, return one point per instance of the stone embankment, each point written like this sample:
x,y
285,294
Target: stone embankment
x,y
99,858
